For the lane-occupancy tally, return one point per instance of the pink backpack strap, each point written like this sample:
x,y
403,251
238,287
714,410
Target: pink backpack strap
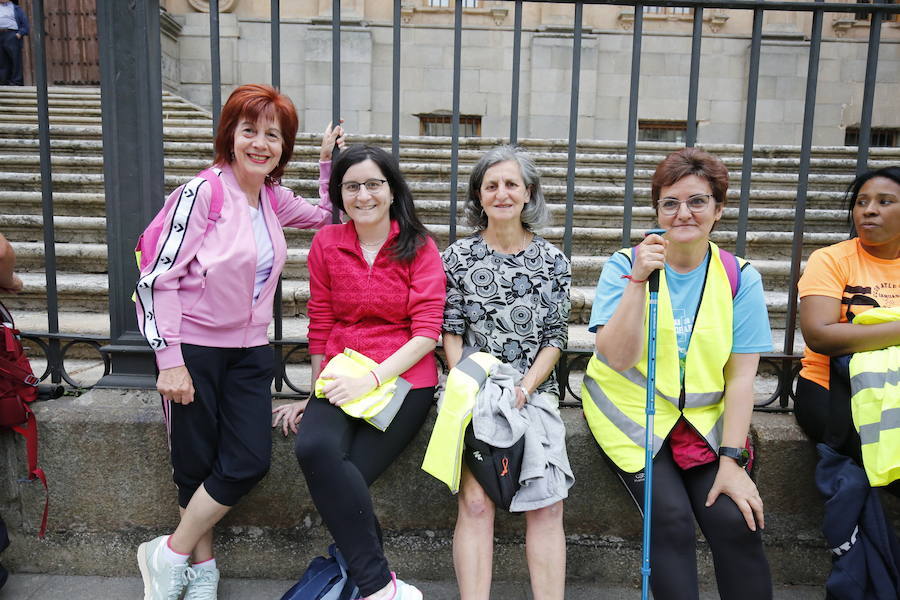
x,y
732,269
217,197
273,197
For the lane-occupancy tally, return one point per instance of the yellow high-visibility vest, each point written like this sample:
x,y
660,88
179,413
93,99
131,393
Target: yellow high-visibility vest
x,y
379,407
614,402
444,455
875,402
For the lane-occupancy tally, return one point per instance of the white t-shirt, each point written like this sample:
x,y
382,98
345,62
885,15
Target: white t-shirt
x,y
265,253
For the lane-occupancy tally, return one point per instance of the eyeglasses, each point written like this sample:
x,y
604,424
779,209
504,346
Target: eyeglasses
x,y
696,203
373,186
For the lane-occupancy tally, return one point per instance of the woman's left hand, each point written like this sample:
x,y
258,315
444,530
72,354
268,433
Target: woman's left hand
x,y
344,389
734,482
333,135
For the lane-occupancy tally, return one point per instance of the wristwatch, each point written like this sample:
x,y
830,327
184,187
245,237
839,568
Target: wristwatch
x,y
740,455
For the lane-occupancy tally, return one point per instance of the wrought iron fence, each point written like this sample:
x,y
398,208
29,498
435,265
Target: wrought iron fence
x,y
133,137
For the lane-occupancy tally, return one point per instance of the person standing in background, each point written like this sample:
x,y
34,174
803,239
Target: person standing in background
x,y
13,28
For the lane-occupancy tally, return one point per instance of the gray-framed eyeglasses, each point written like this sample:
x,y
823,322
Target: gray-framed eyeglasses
x,y
373,186
696,203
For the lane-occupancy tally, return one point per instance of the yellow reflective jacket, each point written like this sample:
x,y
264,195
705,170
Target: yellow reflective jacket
x,y
378,407
444,455
614,402
875,402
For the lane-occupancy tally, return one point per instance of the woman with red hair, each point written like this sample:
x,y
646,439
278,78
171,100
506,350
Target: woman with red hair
x,y
205,305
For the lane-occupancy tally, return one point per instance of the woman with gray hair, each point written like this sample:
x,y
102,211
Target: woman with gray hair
x,y
508,296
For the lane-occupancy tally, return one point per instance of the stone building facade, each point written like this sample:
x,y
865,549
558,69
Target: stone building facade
x,y
547,37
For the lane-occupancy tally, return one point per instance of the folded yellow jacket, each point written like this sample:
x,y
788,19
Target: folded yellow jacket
x,y
875,402
379,407
443,457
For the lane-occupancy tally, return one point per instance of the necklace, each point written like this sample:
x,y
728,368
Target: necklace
x,y
373,244
515,250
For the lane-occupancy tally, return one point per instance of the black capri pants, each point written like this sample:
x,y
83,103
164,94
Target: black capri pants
x,y
679,496
223,439
341,457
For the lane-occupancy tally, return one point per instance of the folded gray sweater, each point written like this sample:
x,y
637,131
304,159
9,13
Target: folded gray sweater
x,y
546,475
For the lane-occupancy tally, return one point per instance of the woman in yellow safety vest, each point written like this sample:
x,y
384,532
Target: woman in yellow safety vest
x,y
839,283
712,324
508,296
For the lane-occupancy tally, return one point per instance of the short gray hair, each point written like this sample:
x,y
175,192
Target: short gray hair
x,y
534,215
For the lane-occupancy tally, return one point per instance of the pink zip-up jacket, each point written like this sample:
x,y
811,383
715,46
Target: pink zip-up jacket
x,y
200,289
373,309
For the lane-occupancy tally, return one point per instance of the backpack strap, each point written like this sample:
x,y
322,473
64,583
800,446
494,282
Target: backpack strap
x,y
732,269
217,197
29,431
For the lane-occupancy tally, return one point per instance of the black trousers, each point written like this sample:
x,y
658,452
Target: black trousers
x,y
341,457
812,409
10,59
223,439
679,497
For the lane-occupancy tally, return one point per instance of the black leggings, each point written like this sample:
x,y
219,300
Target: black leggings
x,y
812,409
341,457
742,571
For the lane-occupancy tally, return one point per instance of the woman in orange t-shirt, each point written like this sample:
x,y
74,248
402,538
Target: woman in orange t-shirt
x,y
840,282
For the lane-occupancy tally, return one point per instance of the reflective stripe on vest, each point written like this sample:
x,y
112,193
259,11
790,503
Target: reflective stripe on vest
x,y
614,401
443,457
875,402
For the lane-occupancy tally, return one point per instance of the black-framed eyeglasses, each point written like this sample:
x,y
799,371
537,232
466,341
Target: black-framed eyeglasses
x,y
696,203
373,186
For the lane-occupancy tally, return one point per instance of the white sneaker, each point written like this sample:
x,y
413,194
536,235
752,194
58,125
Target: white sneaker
x,y
404,591
204,586
162,580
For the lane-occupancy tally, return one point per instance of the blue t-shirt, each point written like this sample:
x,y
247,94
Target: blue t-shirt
x,y
750,325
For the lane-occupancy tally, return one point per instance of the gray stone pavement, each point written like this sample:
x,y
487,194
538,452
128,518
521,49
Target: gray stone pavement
x,y
60,587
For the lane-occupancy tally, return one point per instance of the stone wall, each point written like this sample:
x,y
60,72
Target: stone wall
x,y
107,463
427,62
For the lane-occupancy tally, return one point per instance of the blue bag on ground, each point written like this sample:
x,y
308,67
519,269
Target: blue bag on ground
x,y
324,579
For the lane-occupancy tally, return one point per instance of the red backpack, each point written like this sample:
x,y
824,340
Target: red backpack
x,y
18,388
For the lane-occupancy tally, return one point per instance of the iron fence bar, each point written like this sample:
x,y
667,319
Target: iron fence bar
x,y
516,76
693,87
632,122
277,311
395,84
837,7
749,132
39,41
573,128
215,62
809,110
275,19
865,122
335,80
454,132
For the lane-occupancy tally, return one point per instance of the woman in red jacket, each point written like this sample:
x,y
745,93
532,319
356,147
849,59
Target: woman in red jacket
x,y
377,287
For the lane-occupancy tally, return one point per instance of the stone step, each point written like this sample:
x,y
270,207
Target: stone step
x,y
609,195
103,508
20,157
23,585
92,258
590,241
93,204
87,292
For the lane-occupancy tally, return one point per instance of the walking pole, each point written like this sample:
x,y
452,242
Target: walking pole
x,y
648,435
